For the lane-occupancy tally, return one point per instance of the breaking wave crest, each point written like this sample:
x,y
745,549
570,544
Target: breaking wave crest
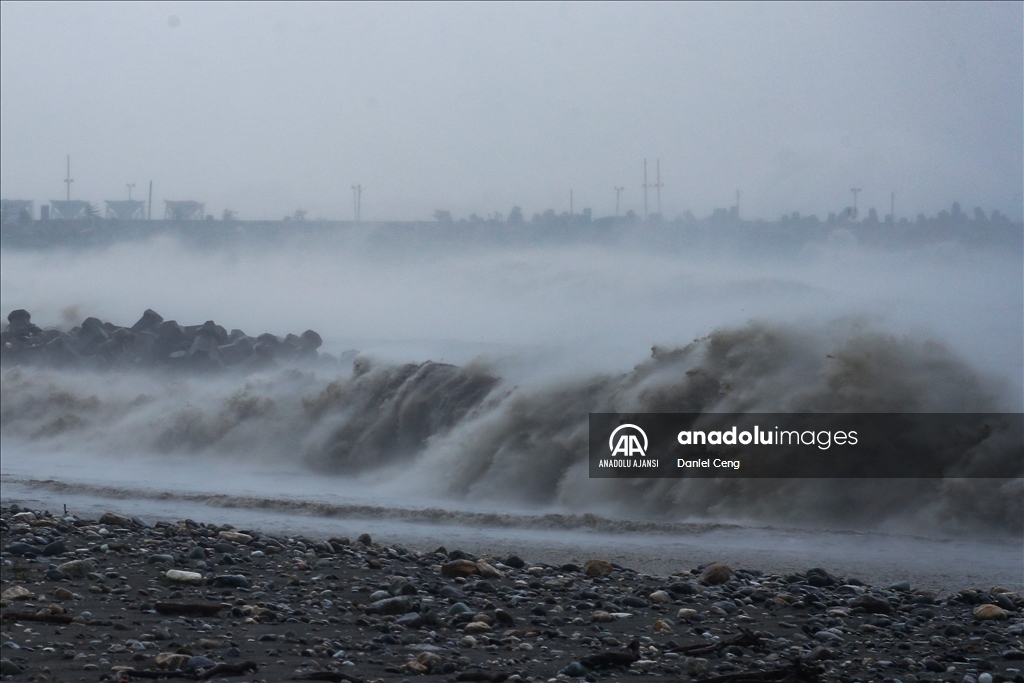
x,y
443,432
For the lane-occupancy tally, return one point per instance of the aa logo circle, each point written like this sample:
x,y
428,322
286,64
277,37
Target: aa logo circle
x,y
625,440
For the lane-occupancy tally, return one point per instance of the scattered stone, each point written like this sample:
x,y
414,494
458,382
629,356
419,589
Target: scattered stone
x,y
399,605
594,568
487,571
16,593
9,668
57,547
716,574
182,576
63,594
514,561
235,537
77,569
199,662
871,604
989,612
459,568
114,519
22,549
230,581
820,654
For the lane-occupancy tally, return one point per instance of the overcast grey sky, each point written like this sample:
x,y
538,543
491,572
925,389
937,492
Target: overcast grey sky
x,y
267,108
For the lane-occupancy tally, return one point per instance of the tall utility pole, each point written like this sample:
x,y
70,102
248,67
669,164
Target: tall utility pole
x,y
659,186
645,189
149,209
618,190
129,186
854,190
656,185
357,201
69,180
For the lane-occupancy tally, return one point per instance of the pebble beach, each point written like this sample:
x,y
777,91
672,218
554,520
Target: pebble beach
x,y
120,598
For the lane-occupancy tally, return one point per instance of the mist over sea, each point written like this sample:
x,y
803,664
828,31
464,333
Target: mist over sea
x,y
455,397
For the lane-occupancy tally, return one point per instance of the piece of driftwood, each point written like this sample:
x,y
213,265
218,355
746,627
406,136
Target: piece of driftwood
x,y
745,638
40,618
797,672
335,676
484,676
205,609
604,660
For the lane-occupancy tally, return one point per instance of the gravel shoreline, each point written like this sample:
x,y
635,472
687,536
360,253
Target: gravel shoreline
x,y
119,599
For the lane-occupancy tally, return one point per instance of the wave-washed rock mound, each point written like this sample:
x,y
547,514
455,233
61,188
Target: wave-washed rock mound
x,y
150,342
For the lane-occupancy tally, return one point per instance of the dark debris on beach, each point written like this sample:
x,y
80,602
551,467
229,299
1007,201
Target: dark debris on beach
x,y
119,599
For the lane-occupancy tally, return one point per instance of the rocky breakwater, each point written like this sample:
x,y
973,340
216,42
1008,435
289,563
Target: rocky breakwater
x,y
150,342
119,599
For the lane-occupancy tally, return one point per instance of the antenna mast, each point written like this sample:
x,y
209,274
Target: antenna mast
x,y
357,201
69,180
645,189
659,186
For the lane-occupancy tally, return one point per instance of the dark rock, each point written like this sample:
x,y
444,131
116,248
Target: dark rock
x,y
399,605
199,662
727,606
871,604
716,574
149,320
236,352
1002,600
410,620
116,520
18,319
633,601
610,659
503,617
55,548
820,578
575,670
514,561
7,667
820,654
230,581
20,548
452,593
